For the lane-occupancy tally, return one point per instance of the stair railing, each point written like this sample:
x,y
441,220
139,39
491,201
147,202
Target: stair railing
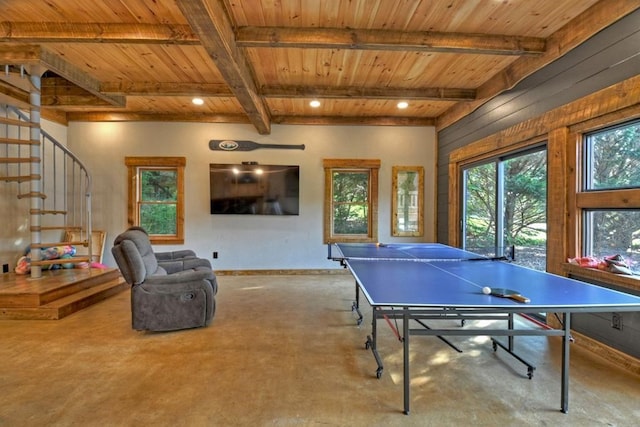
x,y
65,191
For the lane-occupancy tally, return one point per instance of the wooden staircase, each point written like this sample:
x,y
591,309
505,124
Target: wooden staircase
x,y
58,188
57,293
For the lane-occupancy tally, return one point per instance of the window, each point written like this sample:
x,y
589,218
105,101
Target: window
x,y
611,188
351,200
407,200
505,204
156,197
612,158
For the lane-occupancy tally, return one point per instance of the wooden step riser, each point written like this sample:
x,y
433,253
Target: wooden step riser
x,y
75,287
95,298
38,300
72,304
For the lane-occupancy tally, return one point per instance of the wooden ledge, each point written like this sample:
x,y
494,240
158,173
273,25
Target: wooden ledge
x,y
605,277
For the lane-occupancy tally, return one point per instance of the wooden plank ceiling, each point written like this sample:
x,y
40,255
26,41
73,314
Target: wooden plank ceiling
x,y
263,61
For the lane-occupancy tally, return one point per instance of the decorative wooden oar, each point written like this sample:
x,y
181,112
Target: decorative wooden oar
x,y
231,145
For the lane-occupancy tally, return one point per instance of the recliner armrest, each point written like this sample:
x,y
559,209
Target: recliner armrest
x,y
175,266
175,255
178,278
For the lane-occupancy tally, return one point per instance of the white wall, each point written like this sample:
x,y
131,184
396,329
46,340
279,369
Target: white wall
x,y
250,242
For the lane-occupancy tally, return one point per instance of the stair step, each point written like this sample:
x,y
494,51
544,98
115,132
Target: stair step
x,y
72,260
32,194
19,141
83,299
55,227
22,178
67,305
54,244
19,160
20,123
47,212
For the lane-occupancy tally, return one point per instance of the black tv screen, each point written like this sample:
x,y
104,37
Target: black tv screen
x,y
254,189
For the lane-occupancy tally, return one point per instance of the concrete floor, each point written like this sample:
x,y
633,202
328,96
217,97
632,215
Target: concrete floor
x,y
282,351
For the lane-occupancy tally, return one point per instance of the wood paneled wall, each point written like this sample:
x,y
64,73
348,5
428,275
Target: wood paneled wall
x,y
563,130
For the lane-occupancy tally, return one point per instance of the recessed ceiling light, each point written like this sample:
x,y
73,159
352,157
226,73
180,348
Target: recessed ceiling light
x,y
403,104
198,101
315,103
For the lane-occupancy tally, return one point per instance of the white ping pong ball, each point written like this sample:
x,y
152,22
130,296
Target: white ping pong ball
x,y
486,290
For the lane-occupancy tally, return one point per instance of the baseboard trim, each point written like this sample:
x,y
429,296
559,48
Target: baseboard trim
x,y
616,357
283,272
612,355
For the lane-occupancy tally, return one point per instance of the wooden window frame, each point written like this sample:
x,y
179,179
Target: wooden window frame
x,y
395,227
372,166
585,200
134,165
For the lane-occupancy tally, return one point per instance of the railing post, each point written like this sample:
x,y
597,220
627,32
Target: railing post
x,y
36,184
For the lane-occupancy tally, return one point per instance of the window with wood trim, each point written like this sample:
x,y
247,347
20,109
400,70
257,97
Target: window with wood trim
x,y
608,200
504,204
351,200
156,197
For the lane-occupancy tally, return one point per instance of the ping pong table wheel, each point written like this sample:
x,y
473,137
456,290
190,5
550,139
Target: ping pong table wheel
x,y
379,372
495,345
530,372
367,345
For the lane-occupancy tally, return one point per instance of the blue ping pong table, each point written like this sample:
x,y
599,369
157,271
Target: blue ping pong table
x,y
431,281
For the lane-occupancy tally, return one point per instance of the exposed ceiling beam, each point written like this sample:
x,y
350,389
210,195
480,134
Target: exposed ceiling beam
x,y
19,55
436,94
211,23
222,90
355,121
338,38
157,117
60,93
58,65
317,38
166,89
237,118
75,32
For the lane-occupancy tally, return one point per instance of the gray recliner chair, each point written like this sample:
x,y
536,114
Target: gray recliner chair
x,y
169,290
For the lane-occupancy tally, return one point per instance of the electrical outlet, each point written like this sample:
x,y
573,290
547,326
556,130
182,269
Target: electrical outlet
x,y
215,255
616,321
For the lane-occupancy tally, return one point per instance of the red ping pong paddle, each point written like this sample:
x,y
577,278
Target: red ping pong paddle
x,y
508,293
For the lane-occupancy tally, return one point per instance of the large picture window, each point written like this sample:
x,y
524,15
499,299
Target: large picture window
x,y
156,193
504,205
611,181
351,200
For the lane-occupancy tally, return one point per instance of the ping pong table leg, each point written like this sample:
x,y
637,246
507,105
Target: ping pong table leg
x,y
356,305
566,340
510,323
509,347
407,379
371,343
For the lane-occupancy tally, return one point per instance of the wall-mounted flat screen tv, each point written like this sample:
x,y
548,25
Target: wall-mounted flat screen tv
x,y
254,189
